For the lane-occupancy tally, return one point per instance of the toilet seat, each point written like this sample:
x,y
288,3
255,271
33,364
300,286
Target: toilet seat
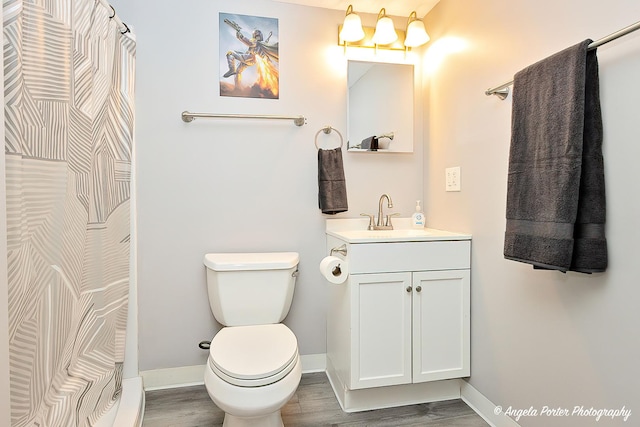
x,y
253,356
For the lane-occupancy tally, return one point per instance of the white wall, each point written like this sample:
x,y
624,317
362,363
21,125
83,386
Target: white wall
x,y
219,185
538,337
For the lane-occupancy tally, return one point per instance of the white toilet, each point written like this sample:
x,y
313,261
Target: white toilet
x,y
254,367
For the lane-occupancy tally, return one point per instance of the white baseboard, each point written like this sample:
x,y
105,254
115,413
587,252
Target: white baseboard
x,y
182,376
185,376
313,363
484,407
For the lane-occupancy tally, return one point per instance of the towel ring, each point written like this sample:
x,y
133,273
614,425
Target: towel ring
x,y
327,130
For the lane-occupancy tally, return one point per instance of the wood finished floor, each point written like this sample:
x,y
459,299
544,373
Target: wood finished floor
x,y
313,405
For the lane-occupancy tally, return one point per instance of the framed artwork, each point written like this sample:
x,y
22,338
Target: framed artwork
x,y
249,59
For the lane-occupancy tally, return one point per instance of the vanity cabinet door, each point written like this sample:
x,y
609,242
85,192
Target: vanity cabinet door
x,y
380,329
441,325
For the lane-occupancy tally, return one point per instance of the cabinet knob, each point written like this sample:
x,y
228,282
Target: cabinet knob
x,y
418,288
409,288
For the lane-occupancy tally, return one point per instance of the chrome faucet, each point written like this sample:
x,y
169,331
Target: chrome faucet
x,y
386,225
389,205
380,224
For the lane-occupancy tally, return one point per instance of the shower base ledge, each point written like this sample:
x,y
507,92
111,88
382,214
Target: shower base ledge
x,y
129,410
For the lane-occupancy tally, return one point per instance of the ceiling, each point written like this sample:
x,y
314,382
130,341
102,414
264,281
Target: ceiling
x,y
392,7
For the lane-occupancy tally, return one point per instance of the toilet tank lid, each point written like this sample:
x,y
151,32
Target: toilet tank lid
x,y
251,261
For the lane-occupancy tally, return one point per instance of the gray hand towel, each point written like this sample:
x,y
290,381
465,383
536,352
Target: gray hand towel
x,y
555,195
332,188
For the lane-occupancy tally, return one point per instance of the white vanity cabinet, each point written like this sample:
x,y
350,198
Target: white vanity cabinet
x,y
408,327
398,329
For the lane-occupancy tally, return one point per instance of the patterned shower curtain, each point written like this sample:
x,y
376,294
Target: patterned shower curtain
x,y
69,83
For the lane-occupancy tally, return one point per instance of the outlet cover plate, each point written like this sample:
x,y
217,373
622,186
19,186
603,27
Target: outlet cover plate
x,y
452,179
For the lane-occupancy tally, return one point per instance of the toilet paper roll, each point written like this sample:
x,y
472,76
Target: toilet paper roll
x,y
334,269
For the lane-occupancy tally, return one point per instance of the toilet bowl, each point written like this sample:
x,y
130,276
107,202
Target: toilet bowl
x,y
253,367
252,372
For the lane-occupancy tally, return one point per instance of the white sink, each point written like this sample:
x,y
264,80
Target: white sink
x,y
355,231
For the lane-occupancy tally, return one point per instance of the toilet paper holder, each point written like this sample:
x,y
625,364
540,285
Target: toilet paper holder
x,y
342,250
335,268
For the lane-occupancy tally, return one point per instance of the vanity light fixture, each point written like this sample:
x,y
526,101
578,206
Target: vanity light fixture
x,y
352,27
416,33
384,35
385,31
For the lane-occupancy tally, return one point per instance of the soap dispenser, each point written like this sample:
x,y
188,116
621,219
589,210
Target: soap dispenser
x,y
417,219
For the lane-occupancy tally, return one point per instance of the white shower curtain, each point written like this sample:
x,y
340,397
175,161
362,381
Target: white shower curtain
x,y
69,83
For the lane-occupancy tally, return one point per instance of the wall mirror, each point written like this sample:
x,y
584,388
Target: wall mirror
x,y
380,107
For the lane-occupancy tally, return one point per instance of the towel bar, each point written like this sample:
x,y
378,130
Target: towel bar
x,y
502,90
188,117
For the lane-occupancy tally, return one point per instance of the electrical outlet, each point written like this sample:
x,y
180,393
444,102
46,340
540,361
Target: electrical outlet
x,y
452,179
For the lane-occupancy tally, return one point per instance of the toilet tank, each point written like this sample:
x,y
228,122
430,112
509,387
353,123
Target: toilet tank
x,y
251,288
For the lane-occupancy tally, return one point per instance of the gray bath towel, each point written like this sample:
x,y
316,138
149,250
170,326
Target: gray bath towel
x,y
332,188
555,196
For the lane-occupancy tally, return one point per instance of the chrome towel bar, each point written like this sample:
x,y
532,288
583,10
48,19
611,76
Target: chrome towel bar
x,y
189,117
502,90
